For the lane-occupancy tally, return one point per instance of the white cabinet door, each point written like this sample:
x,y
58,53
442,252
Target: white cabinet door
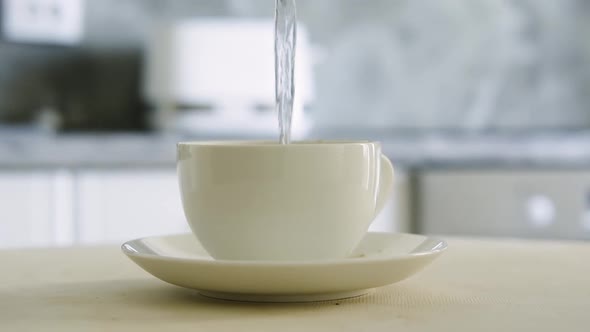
x,y
26,208
122,204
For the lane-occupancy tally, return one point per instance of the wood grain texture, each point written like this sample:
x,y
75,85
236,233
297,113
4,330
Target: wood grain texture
x,y
477,285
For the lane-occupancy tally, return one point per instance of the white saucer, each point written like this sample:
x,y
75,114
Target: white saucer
x,y
380,259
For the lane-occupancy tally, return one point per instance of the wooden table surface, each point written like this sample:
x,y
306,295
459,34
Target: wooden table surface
x,y
477,285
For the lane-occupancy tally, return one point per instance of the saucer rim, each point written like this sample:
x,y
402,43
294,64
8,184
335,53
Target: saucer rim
x,y
440,248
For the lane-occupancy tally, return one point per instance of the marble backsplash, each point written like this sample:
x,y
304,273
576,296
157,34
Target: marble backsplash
x,y
406,64
474,65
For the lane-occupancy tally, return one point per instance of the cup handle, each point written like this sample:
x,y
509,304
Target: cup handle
x,y
385,184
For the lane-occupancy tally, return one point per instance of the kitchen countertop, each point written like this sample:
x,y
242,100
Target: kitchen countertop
x,y
569,150
477,285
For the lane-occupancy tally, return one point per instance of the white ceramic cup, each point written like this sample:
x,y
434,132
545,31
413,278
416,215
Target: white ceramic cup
x,y
256,200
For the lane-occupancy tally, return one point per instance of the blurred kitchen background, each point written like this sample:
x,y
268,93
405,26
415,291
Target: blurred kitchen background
x,y
483,106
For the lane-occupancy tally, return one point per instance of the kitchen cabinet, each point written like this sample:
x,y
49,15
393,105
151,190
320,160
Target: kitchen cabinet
x,y
513,203
84,205
121,204
26,211
87,206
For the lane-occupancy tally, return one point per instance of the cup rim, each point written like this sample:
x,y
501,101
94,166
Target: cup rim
x,y
274,144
